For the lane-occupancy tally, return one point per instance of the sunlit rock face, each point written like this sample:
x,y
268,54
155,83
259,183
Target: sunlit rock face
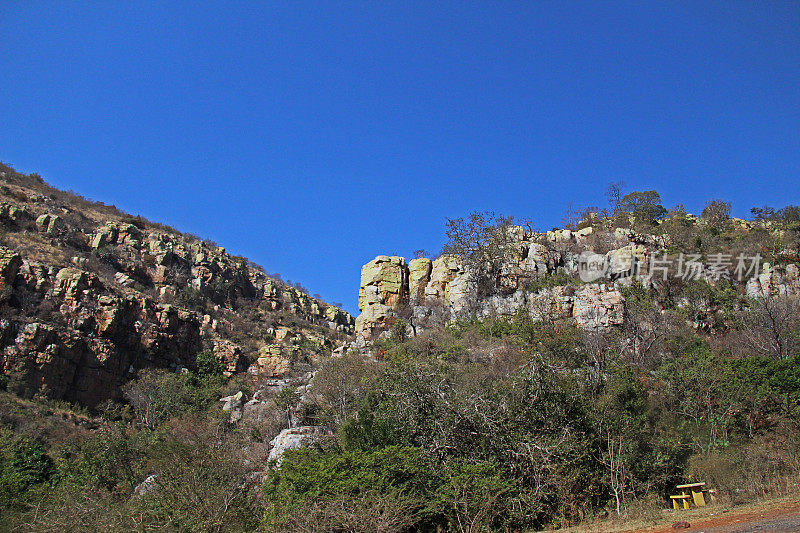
x,y
295,438
425,293
90,296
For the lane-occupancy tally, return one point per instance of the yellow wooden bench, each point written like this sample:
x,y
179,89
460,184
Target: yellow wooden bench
x,y
680,499
696,492
692,493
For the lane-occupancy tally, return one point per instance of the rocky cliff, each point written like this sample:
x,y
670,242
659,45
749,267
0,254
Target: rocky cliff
x,y
574,276
90,295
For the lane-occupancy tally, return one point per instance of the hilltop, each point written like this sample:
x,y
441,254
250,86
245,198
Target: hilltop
x,y
493,268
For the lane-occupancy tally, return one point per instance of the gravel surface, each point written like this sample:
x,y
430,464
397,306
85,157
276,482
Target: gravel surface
x,y
787,523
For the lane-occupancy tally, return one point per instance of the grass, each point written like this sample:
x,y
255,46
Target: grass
x,y
663,519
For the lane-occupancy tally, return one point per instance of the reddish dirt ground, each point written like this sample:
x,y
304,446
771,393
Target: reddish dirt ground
x,y
783,518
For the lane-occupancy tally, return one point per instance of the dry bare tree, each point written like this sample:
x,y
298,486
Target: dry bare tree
x,y
772,326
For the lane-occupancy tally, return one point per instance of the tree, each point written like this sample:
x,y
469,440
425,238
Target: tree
x,y
697,386
153,396
208,364
772,326
786,215
340,384
620,417
717,213
472,494
201,485
24,463
483,241
645,206
614,195
287,400
790,213
645,324
345,483
582,217
157,395
763,214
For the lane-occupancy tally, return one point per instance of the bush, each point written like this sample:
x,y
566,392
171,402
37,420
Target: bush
x,y
769,464
24,464
208,364
557,279
157,395
308,477
644,206
716,212
192,299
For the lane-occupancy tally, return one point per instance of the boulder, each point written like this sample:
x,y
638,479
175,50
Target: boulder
x,y
389,275
73,284
105,235
148,486
13,213
50,224
234,404
274,360
231,356
10,263
295,438
628,261
444,270
598,305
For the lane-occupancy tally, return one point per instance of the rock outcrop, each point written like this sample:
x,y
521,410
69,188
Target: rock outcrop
x,y
295,438
89,296
775,280
424,293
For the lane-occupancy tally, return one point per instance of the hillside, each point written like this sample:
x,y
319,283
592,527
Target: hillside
x,y
495,269
91,295
519,380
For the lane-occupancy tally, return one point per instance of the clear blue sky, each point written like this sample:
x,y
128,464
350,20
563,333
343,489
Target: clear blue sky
x,y
312,136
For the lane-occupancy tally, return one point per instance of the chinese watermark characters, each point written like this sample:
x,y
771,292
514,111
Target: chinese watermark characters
x,y
688,267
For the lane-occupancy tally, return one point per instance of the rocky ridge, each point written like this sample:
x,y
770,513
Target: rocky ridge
x,y
425,293
90,295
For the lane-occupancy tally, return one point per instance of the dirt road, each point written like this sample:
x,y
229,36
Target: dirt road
x,y
784,518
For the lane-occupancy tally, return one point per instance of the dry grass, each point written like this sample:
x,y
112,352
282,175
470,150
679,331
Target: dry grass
x,y
36,247
721,511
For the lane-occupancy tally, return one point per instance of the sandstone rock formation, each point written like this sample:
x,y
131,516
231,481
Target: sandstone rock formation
x,y
424,293
89,296
776,280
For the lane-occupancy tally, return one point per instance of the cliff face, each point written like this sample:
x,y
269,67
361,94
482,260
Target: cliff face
x,y
426,293
90,295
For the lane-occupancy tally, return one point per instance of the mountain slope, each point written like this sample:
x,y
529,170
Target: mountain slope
x,y
90,295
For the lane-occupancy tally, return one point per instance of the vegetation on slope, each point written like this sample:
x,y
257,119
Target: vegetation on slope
x,y
478,425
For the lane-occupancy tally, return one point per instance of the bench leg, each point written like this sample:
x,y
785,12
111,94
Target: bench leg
x,y
698,498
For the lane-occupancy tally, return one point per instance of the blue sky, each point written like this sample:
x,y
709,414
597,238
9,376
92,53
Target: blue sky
x,y
312,136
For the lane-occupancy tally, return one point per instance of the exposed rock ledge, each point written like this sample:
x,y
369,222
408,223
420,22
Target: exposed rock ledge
x,y
425,293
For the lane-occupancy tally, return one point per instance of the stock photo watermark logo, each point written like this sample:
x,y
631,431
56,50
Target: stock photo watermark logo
x,y
688,267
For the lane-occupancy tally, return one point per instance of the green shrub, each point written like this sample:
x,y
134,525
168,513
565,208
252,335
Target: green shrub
x,y
157,395
192,299
24,464
208,364
548,281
